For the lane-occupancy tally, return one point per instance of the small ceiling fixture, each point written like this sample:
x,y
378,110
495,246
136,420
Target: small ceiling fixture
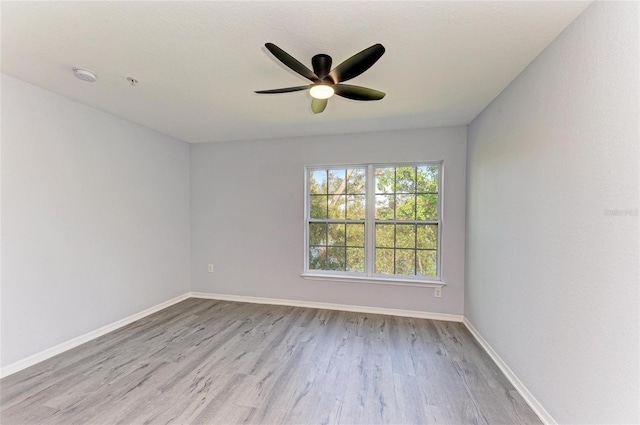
x,y
327,82
132,80
85,74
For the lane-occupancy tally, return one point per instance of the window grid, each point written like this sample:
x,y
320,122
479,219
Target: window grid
x,y
336,198
411,187
411,191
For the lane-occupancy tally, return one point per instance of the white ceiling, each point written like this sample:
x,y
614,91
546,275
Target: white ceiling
x,y
198,63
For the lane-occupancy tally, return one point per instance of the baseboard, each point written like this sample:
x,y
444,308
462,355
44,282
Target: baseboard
x,y
331,306
60,348
518,385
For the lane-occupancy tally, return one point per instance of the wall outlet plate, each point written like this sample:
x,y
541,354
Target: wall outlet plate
x,y
210,268
437,293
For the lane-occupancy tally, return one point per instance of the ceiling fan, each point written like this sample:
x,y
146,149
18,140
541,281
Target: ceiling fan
x,y
327,82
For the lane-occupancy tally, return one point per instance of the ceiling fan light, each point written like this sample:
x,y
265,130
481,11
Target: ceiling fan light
x,y
321,91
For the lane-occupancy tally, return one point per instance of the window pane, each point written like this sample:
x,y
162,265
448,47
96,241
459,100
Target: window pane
x,y
405,207
355,259
427,263
318,206
384,235
427,236
335,258
356,181
356,207
405,180
337,182
355,234
317,181
317,234
405,261
384,260
385,180
384,207
336,234
405,236
337,206
427,208
428,179
317,257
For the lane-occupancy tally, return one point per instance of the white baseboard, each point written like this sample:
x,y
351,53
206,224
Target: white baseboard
x,y
330,306
60,348
518,385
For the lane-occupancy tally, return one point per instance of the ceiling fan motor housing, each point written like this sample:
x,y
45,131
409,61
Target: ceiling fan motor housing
x,y
322,66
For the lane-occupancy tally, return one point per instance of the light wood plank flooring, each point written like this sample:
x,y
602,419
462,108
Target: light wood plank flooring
x,y
218,362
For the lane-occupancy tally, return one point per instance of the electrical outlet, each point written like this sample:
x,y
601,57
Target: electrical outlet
x,y
438,292
210,268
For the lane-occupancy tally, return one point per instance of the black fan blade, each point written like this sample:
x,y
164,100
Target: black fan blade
x,y
321,65
357,64
318,105
291,62
357,92
284,90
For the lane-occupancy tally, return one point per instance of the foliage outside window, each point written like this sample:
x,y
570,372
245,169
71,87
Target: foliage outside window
x,y
374,221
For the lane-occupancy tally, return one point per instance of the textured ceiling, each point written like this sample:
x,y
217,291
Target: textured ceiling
x,y
198,63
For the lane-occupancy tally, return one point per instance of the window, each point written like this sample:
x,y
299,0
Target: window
x,y
380,222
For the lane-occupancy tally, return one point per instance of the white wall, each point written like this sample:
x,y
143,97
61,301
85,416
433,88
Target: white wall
x,y
552,280
247,218
95,219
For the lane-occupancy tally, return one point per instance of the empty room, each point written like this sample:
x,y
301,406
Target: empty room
x,y
292,212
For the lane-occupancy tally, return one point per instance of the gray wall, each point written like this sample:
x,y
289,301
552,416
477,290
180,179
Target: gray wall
x,y
552,280
95,219
247,216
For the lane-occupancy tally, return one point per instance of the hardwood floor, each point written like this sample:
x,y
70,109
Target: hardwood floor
x,y
218,362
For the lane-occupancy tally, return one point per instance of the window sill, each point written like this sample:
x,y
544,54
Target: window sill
x,y
376,280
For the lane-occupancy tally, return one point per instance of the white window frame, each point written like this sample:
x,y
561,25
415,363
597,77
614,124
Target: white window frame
x,y
369,275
